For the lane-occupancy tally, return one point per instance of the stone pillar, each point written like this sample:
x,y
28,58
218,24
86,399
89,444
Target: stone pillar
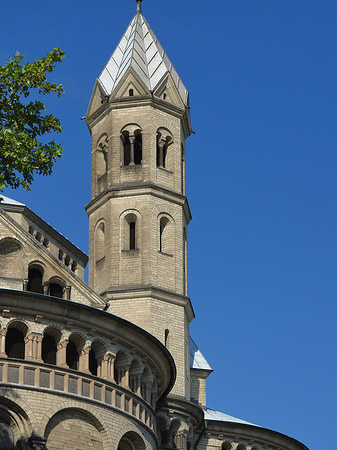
x,y
138,384
25,284
132,150
161,145
61,356
68,292
84,359
45,288
107,366
3,332
37,347
29,347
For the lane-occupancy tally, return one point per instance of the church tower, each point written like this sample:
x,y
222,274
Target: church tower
x,y
139,120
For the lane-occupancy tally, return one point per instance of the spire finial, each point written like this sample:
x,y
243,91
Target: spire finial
x,y
139,6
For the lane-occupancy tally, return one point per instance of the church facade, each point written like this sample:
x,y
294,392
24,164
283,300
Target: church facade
x,y
111,364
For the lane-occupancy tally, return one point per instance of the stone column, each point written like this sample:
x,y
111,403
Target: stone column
x,y
61,356
84,359
3,332
29,347
132,150
25,284
68,292
37,347
161,145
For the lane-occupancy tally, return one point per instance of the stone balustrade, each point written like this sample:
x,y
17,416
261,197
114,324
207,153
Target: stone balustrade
x,y
44,377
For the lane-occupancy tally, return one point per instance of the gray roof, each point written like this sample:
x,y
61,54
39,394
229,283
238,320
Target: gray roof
x,y
218,416
197,359
9,201
139,48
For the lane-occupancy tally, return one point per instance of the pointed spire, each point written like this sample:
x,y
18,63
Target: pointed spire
x,y
139,6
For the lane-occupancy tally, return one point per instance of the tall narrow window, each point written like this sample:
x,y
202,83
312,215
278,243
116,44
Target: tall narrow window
x,y
127,148
167,333
138,147
165,236
131,92
100,242
132,235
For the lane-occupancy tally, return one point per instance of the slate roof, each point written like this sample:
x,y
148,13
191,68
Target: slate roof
x,y
139,48
197,359
218,416
9,201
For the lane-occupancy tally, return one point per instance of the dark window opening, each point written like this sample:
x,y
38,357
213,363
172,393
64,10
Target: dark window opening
x,y
165,95
131,92
74,266
60,255
127,149
45,242
15,344
49,350
167,332
132,235
35,281
93,365
161,237
67,261
138,149
72,358
55,290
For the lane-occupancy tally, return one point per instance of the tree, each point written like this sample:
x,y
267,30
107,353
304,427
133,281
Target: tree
x,y
23,123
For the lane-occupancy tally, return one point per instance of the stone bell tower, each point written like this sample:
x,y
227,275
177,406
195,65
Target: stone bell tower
x,y
138,118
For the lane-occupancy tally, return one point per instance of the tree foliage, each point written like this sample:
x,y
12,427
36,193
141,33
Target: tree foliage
x,y
24,121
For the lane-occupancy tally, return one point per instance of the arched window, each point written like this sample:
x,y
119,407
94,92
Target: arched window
x,y
132,227
166,243
100,241
15,340
130,92
164,140
49,349
60,255
131,139
35,275
72,357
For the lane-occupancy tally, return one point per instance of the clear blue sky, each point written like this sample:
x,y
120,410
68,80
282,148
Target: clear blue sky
x,y
261,174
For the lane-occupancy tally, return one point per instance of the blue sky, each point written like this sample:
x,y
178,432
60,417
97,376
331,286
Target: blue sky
x,y
261,182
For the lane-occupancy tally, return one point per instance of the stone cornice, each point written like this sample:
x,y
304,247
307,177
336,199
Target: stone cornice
x,y
129,190
140,101
150,291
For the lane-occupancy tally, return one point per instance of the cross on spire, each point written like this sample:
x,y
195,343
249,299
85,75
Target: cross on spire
x,y
139,6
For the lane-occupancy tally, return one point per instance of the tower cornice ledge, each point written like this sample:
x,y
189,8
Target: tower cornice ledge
x,y
127,190
128,292
115,103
